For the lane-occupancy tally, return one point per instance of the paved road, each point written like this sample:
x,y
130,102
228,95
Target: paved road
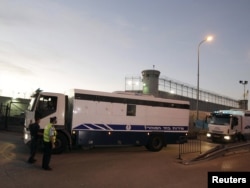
x,y
126,167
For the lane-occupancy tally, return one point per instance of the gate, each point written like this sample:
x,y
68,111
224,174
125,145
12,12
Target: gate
x,y
189,145
12,114
4,110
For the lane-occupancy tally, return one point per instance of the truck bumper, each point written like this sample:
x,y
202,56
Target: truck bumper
x,y
220,137
26,136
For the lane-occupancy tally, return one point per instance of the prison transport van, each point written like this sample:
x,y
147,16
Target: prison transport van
x,y
94,118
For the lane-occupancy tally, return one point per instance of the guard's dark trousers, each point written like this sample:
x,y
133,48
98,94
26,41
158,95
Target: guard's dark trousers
x,y
33,149
47,154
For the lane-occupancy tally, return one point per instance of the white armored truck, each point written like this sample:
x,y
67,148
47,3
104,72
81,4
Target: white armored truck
x,y
94,118
229,125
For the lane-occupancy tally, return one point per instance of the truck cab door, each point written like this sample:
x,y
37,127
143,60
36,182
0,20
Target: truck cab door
x,y
236,124
50,104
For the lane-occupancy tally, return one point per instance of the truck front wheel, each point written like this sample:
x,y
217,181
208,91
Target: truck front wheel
x,y
239,137
155,143
60,144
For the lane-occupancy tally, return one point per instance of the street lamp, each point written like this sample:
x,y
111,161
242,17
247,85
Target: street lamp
x,y
244,83
207,39
244,94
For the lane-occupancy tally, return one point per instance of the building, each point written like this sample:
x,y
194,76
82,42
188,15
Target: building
x,y
151,83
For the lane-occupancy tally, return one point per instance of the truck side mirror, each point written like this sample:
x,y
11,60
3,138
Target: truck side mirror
x,y
234,122
208,119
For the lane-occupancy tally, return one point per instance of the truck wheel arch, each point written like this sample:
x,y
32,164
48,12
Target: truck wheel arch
x,y
155,142
62,142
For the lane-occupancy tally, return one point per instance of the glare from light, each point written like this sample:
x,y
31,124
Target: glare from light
x,y
208,135
14,85
209,38
129,82
227,137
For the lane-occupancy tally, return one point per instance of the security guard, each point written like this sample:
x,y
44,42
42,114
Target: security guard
x,y
49,138
34,131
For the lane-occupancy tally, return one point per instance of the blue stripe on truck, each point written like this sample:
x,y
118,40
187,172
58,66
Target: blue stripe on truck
x,y
123,127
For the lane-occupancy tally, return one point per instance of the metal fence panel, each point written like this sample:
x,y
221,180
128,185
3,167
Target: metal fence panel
x,y
187,145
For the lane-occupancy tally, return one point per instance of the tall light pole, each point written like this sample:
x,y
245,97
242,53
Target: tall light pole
x,y
209,38
244,94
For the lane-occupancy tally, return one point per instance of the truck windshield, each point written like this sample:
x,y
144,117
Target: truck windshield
x,y
31,104
218,120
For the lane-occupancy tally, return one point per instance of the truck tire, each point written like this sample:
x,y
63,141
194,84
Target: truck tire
x,y
239,137
61,143
155,143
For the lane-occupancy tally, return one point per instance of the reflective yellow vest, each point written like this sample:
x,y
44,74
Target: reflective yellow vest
x,y
46,133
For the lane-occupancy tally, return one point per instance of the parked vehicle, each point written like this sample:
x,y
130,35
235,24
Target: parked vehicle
x,y
94,118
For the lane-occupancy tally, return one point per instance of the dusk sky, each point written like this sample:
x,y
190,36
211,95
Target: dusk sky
x,y
56,45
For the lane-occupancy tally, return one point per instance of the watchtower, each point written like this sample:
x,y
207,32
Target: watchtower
x,y
150,80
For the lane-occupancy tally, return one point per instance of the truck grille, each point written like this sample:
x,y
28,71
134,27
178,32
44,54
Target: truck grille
x,y
217,132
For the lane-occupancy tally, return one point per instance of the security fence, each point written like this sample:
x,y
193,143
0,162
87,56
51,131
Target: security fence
x,y
177,88
189,144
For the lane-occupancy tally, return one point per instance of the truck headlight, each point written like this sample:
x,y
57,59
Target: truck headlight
x,y
208,135
227,137
26,136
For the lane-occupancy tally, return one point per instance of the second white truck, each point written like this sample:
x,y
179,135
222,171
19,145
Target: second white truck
x,y
229,125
